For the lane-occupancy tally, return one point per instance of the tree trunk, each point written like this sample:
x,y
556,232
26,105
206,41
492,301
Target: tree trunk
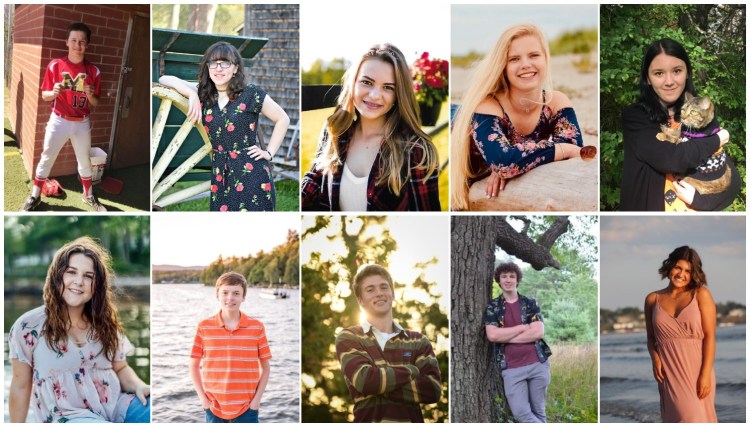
x,y
476,378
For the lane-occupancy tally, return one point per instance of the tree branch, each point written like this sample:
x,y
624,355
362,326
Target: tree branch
x,y
520,245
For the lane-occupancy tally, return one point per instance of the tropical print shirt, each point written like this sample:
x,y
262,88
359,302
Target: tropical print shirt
x,y
530,312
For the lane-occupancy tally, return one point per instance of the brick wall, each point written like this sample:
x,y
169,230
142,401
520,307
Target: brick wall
x,y
39,37
276,66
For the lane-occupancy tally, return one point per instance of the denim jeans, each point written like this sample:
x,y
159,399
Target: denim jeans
x,y
249,416
138,413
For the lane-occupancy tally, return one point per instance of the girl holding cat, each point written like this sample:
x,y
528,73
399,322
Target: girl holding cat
x,y
650,165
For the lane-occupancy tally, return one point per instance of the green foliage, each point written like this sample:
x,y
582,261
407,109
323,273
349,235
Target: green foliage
x,y
713,35
327,73
568,297
31,241
467,60
572,394
262,268
578,41
328,306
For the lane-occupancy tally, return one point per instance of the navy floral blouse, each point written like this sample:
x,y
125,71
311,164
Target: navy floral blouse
x,y
238,182
497,146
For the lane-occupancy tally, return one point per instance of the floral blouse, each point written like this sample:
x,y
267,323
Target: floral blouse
x,y
71,382
497,146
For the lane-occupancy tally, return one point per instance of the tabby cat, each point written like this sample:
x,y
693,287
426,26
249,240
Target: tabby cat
x,y
698,121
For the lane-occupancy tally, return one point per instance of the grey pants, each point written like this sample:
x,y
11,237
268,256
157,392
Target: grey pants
x,y
526,391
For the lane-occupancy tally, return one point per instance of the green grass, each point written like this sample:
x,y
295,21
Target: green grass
x,y
312,123
572,394
287,197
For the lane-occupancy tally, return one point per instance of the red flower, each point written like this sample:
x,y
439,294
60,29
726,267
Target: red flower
x,y
214,188
266,186
205,127
224,208
230,127
239,187
221,148
242,106
209,118
219,178
233,155
248,166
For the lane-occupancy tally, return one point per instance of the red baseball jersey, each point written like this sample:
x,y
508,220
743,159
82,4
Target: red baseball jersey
x,y
72,101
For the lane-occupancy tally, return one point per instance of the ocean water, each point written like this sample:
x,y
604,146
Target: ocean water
x,y
176,310
629,392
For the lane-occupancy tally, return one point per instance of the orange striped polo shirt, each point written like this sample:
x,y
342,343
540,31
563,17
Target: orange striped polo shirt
x,y
230,364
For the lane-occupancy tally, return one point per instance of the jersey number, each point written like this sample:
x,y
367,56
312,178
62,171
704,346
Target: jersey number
x,y
79,101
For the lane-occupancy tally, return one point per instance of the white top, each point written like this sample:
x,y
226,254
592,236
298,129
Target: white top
x,y
353,191
70,382
381,337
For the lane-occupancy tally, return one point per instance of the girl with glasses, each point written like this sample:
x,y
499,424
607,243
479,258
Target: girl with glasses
x,y
241,177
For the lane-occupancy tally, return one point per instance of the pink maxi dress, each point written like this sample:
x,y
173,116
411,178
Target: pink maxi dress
x,y
679,342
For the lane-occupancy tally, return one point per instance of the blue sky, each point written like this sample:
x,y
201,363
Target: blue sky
x,y
633,248
477,27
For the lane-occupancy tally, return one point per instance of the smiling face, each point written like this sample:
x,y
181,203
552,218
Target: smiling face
x,y
680,275
221,76
77,44
526,65
376,296
230,298
78,281
374,89
508,282
667,76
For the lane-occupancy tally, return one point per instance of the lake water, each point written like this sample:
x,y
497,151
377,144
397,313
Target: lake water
x,y
176,310
629,392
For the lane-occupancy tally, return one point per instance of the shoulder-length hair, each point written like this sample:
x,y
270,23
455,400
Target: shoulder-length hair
x,y
697,276
100,311
207,92
488,79
403,128
648,98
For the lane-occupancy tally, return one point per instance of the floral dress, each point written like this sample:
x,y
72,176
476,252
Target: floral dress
x,y
499,147
71,382
238,182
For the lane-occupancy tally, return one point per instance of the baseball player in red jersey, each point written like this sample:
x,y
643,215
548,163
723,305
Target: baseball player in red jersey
x,y
72,84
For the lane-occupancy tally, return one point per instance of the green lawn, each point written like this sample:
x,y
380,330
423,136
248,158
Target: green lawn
x,y
312,123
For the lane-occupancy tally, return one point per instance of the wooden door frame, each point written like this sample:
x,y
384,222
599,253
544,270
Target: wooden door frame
x,y
126,52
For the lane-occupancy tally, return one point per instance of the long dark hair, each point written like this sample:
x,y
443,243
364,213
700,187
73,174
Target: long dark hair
x,y
221,50
100,311
697,276
648,98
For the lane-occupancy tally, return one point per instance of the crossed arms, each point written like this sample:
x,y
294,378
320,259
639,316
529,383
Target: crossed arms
x,y
417,382
516,334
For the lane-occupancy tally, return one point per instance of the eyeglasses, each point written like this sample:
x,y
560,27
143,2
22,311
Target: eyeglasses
x,y
220,64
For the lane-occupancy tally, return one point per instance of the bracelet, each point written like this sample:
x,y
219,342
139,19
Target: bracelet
x,y
270,156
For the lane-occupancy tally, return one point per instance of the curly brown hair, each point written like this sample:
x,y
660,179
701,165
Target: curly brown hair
x,y
207,92
100,311
507,268
697,276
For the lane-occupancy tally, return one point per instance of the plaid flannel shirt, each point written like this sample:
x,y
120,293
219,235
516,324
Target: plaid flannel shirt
x,y
416,195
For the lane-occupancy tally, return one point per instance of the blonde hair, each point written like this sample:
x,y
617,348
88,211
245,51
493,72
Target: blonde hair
x,y
488,79
403,128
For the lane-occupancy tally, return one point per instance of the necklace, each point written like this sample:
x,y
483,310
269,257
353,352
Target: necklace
x,y
521,102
